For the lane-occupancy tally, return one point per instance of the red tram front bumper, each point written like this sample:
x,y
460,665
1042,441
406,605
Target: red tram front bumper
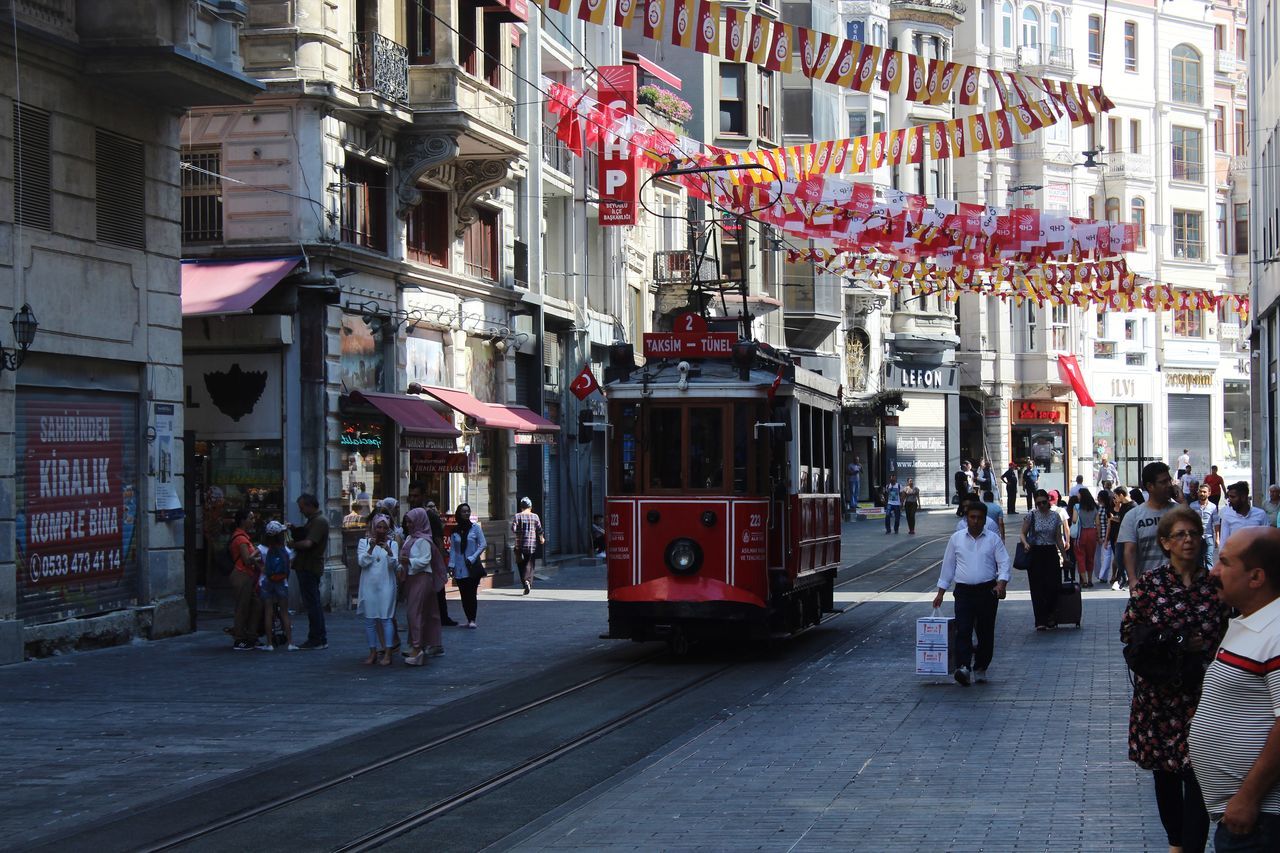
x,y
690,589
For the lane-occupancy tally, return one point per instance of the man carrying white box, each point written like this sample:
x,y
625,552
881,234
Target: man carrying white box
x,y
978,563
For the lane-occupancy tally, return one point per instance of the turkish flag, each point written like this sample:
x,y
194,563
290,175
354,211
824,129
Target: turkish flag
x,y
1069,372
585,384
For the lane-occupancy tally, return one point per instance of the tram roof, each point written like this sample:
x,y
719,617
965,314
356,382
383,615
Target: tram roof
x,y
719,377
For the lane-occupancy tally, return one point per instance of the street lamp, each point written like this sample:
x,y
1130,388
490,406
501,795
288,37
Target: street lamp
x,y
24,334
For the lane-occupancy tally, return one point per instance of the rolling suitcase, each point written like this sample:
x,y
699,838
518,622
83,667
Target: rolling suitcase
x,y
1069,608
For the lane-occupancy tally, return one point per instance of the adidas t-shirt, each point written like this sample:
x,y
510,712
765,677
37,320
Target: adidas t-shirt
x,y
1139,526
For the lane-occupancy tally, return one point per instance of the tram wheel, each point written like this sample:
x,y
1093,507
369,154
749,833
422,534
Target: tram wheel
x,y
678,642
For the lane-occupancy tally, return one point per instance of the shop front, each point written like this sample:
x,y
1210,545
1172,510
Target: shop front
x,y
1121,421
917,445
1039,431
1189,397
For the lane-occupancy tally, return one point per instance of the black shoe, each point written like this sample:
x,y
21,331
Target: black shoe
x,y
313,647
242,646
962,676
448,623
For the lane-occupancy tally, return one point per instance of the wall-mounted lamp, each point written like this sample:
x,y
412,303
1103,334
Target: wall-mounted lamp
x,y
24,335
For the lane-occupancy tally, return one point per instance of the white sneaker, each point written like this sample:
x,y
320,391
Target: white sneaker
x,y
292,647
1116,586
265,647
980,676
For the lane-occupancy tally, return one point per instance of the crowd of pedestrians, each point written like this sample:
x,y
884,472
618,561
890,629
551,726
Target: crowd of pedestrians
x,y
404,566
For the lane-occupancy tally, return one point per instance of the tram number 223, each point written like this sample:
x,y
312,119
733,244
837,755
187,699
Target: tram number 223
x,y
755,519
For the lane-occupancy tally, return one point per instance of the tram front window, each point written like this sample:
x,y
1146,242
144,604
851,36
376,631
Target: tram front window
x,y
666,448
706,448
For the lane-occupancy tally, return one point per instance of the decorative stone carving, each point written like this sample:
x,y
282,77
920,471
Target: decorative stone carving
x,y
418,155
472,179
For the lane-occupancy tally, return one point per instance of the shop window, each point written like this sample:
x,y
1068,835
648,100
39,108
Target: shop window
x,y
427,229
363,479
1188,154
1095,39
1184,75
420,22
733,98
1235,424
201,195
1242,229
364,204
1188,323
480,246
1188,236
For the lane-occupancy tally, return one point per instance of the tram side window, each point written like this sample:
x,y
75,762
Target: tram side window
x,y
806,448
706,448
666,448
742,425
627,420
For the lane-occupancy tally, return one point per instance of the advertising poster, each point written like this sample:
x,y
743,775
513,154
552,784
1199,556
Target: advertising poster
x,y
168,505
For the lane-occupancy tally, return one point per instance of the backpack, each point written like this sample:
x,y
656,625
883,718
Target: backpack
x,y
277,565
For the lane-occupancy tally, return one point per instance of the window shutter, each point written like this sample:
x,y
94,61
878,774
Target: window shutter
x,y
32,167
121,202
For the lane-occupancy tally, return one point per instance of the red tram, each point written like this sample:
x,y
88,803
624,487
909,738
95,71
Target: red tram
x,y
723,508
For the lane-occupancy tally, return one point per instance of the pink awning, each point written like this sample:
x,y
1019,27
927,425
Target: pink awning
x,y
230,287
413,414
491,415
653,69
1069,371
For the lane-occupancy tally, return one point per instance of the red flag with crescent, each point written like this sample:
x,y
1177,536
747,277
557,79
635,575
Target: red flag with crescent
x,y
585,384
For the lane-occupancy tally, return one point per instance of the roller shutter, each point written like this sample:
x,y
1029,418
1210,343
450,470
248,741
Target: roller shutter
x,y
77,504
1189,428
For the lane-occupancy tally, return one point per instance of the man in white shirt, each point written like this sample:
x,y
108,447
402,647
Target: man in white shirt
x,y
977,562
1184,461
1237,514
1076,486
1107,474
992,524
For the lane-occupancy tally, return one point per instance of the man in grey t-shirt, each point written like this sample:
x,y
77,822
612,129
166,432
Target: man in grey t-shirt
x,y
1138,529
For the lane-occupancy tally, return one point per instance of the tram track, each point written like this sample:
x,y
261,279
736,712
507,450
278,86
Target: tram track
x,y
608,703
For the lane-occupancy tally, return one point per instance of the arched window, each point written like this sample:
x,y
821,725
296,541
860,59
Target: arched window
x,y
1006,25
1111,212
1055,29
1030,27
1184,75
1138,216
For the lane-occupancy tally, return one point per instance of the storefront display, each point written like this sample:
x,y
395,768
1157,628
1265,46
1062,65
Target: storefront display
x,y
363,476
1118,435
1235,425
921,447
1039,432
76,503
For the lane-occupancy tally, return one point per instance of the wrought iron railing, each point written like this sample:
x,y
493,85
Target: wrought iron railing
x,y
381,66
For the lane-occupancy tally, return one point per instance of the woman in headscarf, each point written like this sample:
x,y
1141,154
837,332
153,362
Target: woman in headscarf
x,y
423,570
377,555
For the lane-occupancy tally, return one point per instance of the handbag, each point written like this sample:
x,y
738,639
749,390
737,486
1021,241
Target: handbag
x,y
1161,656
1021,558
1074,529
475,568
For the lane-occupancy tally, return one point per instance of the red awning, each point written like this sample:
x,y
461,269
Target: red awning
x,y
230,287
653,69
413,414
1069,371
509,10
491,415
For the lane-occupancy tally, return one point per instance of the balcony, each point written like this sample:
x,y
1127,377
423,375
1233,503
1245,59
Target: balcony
x,y
901,9
446,99
1191,171
1043,58
1125,164
1225,62
555,153
923,332
380,66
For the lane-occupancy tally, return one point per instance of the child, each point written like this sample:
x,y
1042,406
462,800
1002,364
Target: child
x,y
273,584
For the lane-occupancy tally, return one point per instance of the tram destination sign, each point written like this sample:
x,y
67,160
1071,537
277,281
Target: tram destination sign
x,y
689,344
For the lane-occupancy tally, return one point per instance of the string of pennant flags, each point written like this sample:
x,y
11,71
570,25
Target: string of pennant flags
x,y
759,40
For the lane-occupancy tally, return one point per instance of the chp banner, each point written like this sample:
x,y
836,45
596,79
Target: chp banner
x,y
619,172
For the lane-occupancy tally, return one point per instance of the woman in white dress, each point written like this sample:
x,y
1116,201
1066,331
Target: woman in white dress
x,y
377,554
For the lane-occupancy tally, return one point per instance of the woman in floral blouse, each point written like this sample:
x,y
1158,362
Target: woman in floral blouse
x,y
1178,595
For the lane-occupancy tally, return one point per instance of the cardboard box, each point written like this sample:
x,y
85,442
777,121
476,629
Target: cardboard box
x,y
936,631
935,660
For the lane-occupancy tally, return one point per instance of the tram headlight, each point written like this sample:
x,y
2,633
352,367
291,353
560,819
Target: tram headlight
x,y
684,556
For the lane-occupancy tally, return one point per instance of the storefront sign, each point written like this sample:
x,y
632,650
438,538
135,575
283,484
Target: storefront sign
x,y
523,438
233,395
1122,387
79,505
682,345
410,441
1035,411
911,377
436,462
619,176
351,438
1188,380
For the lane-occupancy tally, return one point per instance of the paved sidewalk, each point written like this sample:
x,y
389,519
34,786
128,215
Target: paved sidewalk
x,y
856,752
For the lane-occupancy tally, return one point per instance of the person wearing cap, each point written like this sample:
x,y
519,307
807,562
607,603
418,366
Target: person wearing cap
x,y
526,531
273,583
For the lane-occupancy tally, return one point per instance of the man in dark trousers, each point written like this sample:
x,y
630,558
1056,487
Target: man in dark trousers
x,y
310,541
962,480
1010,477
977,562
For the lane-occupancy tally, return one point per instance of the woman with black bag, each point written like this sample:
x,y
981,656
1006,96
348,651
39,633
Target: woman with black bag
x,y
1044,537
1172,628
466,559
